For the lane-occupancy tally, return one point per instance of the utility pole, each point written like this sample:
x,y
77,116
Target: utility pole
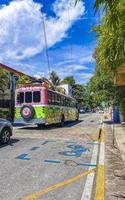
x,y
12,90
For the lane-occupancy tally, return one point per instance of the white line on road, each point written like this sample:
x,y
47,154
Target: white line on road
x,y
86,195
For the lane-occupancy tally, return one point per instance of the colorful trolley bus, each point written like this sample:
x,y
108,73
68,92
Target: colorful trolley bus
x,y
39,105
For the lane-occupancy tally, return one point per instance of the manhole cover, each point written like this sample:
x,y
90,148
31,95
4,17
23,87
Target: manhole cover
x,y
70,163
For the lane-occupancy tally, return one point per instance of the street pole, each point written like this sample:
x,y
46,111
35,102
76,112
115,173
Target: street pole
x,y
11,97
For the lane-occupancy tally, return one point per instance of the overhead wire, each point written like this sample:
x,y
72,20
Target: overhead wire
x,y
69,19
46,44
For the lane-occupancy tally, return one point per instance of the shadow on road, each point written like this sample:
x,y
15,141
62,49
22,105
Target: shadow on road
x,y
10,143
53,126
110,122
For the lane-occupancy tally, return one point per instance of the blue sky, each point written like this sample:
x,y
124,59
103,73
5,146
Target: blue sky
x,y
69,37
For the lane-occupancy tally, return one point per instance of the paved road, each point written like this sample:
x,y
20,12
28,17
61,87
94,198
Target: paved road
x,y
37,159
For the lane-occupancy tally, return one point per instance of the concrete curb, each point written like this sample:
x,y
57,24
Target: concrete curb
x,y
100,178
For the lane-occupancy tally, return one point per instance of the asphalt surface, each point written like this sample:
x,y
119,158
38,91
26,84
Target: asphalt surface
x,y
36,159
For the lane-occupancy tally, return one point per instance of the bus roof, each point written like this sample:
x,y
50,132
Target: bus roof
x,y
38,85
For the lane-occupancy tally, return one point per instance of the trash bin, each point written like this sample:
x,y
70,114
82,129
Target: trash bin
x,y
116,117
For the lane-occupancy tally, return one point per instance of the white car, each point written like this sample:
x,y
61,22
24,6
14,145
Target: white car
x,y
6,130
101,111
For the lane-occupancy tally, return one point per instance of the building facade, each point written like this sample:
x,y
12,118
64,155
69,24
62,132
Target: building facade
x,y
7,95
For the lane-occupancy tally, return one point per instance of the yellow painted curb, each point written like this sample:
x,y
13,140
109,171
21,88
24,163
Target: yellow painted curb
x,y
100,181
103,135
37,195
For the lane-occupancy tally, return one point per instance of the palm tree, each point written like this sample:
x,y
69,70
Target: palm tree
x,y
54,78
108,4
69,80
54,82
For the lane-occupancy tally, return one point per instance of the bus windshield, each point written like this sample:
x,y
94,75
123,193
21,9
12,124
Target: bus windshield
x,y
28,97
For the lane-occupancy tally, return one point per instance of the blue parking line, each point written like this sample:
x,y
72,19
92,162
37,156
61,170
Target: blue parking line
x,y
78,164
47,141
52,161
94,143
87,164
71,142
23,157
34,148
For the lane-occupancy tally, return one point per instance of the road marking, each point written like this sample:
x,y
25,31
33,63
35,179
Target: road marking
x,y
85,164
39,194
34,148
23,157
93,143
86,195
99,194
47,141
77,164
76,150
100,180
71,142
52,161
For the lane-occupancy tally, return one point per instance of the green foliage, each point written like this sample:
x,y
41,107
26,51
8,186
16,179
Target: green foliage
x,y
23,79
110,52
101,88
69,80
54,78
76,1
79,92
3,79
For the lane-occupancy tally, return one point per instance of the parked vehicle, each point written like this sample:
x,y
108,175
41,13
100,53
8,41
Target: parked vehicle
x,y
101,111
93,110
82,110
36,104
5,130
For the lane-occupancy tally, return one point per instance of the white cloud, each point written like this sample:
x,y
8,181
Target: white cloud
x,y
86,75
74,70
21,34
87,59
77,67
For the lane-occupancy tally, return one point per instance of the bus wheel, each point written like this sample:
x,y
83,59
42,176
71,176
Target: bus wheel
x,y
41,126
62,121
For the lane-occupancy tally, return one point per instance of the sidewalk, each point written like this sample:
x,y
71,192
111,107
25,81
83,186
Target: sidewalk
x,y
119,133
114,162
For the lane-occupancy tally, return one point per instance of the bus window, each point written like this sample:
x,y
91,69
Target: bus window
x,y
49,97
20,97
58,100
28,97
36,96
67,102
53,97
62,101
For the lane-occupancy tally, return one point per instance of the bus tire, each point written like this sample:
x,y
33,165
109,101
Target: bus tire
x,y
62,123
32,112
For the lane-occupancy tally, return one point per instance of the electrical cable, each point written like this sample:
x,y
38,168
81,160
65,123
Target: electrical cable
x,y
46,45
69,19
